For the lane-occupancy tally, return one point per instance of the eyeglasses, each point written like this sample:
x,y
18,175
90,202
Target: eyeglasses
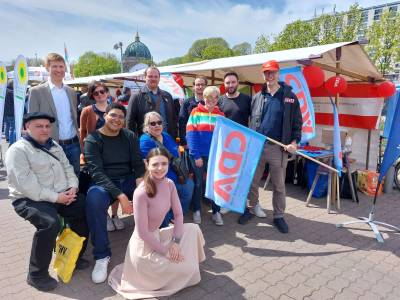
x,y
116,116
159,123
101,92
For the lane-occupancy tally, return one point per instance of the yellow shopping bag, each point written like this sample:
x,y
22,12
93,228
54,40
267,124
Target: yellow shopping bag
x,y
68,246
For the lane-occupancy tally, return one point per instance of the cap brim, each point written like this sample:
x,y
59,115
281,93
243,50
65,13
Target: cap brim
x,y
270,69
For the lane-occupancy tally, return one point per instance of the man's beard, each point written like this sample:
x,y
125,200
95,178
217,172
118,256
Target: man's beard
x,y
231,91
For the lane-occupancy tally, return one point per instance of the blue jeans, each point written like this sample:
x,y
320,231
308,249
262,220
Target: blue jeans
x,y
9,129
97,202
199,186
185,193
73,153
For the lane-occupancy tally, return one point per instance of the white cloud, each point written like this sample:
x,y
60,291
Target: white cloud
x,y
167,27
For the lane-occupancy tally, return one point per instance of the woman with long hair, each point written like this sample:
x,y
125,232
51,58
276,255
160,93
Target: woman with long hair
x,y
153,133
158,262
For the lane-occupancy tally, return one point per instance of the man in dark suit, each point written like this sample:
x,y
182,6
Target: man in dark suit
x,y
151,98
199,85
59,101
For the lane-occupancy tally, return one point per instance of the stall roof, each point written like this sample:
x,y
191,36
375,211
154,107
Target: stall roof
x,y
354,63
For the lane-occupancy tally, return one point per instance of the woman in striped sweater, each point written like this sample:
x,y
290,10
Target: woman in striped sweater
x,y
199,132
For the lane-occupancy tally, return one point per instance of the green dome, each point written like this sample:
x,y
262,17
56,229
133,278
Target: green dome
x,y
137,49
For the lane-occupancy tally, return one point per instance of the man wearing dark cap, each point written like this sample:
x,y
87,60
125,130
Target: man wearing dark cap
x,y
275,112
42,185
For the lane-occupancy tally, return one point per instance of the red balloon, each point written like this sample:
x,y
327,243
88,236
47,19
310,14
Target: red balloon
x,y
222,89
386,89
178,79
257,87
336,85
314,76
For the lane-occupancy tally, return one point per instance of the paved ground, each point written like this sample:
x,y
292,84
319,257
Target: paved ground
x,y
314,261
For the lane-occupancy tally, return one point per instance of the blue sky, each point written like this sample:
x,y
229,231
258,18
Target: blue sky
x,y
168,28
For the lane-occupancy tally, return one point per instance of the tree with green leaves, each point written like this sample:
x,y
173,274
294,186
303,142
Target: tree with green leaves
x,y
263,44
384,41
199,46
171,61
242,49
90,64
325,29
215,51
210,48
297,34
354,27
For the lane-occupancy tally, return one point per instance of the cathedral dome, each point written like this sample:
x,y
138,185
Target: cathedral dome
x,y
137,50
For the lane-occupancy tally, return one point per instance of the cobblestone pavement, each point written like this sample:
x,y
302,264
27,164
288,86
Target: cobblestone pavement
x,y
314,261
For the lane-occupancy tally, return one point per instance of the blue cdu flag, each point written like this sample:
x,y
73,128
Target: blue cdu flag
x,y
234,154
392,151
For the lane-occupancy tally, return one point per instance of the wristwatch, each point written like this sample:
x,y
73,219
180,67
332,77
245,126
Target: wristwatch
x,y
176,240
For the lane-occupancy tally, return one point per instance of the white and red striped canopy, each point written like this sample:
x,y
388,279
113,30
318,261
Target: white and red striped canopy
x,y
359,106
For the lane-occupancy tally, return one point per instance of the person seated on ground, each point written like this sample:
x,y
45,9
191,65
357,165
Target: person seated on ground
x,y
43,185
114,162
158,262
92,118
199,132
153,131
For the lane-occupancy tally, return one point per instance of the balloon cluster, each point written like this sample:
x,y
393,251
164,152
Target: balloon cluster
x,y
315,78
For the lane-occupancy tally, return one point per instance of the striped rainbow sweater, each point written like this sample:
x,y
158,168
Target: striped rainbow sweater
x,y
199,130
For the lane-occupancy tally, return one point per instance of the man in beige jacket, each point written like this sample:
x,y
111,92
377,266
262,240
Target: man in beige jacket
x,y
43,185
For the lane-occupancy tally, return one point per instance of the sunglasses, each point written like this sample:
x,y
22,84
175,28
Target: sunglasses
x,y
159,123
101,92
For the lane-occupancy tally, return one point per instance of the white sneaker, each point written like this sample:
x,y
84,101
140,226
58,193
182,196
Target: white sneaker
x,y
118,223
217,218
224,210
110,224
258,211
197,217
99,273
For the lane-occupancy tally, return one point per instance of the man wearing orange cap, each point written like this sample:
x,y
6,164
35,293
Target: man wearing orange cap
x,y
275,112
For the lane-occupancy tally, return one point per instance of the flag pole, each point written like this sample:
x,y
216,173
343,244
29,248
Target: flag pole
x,y
305,156
370,220
392,152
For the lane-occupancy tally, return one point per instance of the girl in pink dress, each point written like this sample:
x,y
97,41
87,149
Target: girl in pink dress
x,y
158,262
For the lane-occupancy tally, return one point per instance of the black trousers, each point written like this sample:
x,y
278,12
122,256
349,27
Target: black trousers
x,y
44,216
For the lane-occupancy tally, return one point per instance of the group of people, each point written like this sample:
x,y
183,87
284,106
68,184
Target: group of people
x,y
127,155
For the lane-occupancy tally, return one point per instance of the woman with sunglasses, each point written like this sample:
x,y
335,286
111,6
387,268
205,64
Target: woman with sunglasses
x,y
154,131
92,118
